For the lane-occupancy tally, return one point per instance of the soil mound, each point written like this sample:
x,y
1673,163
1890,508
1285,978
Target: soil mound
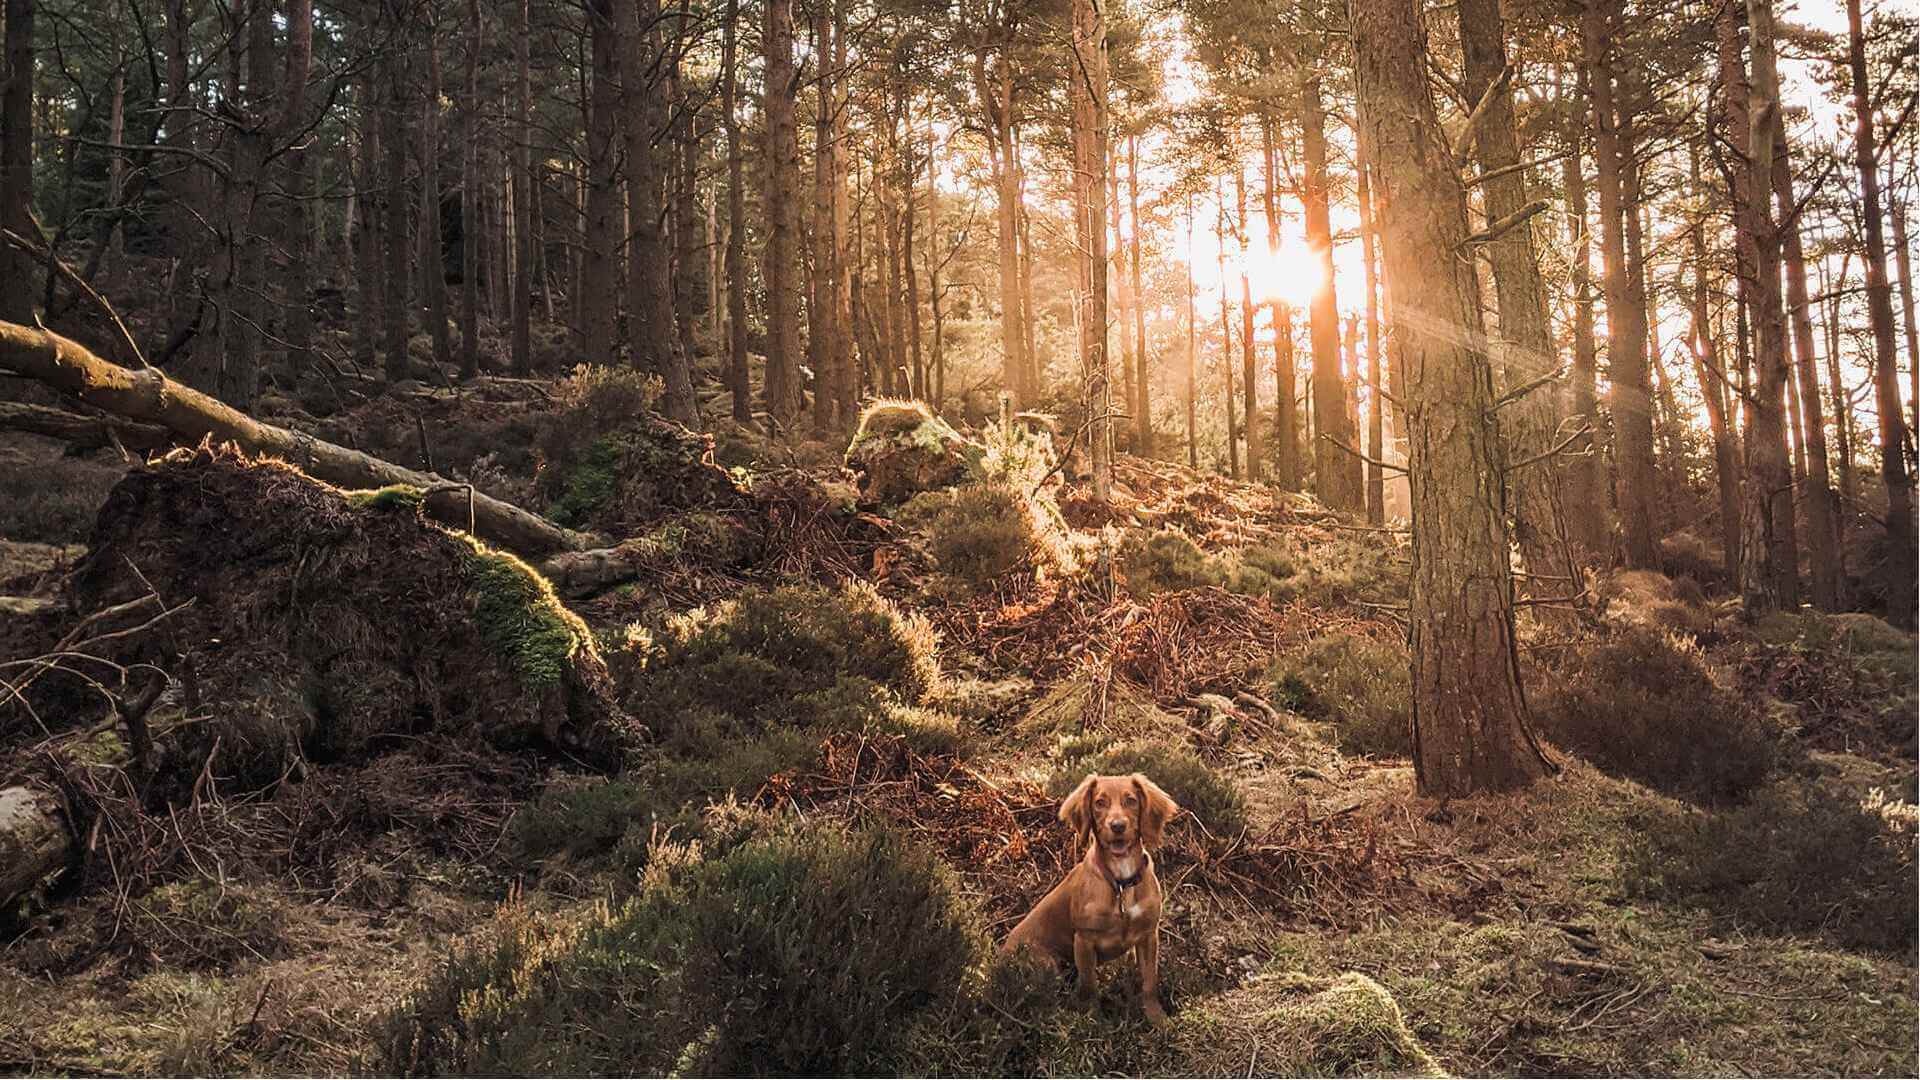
x,y
310,624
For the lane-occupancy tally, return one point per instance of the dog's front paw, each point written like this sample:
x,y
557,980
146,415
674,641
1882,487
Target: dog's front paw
x,y
1156,1015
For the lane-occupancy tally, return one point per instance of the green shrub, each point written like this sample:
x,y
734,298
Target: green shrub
x,y
1166,560
1326,573
1362,686
1851,678
1201,790
980,534
799,639
585,821
1798,857
803,952
601,397
750,688
1644,704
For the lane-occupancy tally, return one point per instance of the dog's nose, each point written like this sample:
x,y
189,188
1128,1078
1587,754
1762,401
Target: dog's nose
x,y
1118,827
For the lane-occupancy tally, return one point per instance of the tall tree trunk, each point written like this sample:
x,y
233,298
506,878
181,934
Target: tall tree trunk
x,y
1286,430
599,299
370,266
653,339
1143,402
995,92
908,177
16,160
1470,724
298,232
1193,350
686,232
1525,351
1585,505
1122,288
1711,375
1632,397
783,214
847,384
1376,476
396,250
434,272
470,215
821,322
1090,140
1331,474
1220,234
736,255
1903,261
1886,385
523,189
1769,576
1823,515
935,244
1250,365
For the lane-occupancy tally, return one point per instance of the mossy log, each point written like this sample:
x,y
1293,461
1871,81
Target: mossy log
x,y
148,397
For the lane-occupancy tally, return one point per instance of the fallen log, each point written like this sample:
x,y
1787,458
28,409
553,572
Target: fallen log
x,y
85,432
148,397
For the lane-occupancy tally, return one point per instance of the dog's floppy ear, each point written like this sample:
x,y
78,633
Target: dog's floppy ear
x,y
1158,809
1077,809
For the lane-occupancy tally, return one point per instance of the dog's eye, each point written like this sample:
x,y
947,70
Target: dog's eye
x,y
1131,800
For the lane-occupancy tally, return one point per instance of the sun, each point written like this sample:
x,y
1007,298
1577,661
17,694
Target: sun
x,y
1290,275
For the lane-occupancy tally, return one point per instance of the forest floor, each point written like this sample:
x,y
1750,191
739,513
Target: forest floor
x,y
1320,917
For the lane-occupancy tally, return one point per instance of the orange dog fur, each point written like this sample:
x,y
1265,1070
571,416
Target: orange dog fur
x,y
1109,904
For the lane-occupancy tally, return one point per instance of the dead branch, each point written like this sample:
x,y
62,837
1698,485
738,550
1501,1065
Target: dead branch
x,y
149,397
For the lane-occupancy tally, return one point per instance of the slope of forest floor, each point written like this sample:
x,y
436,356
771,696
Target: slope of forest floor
x,y
1718,881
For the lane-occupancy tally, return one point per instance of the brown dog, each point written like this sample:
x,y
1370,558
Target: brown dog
x,y
1110,903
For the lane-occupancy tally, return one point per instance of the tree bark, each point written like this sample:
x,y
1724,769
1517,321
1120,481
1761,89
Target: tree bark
x,y
1250,365
1143,402
396,251
1089,79
995,93
1286,429
1470,723
1331,474
822,324
1376,476
434,262
1769,576
1823,513
1711,375
470,216
599,300
1886,385
1525,351
1585,504
1631,396
16,159
783,224
523,189
1193,350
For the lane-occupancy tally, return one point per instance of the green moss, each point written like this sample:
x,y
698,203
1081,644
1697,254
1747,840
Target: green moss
x,y
391,497
594,481
522,619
